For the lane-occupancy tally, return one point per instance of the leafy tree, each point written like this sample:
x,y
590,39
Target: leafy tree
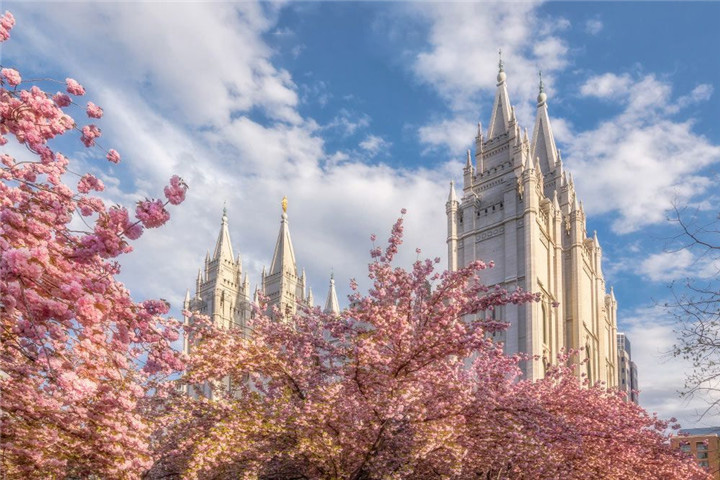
x,y
405,383
78,358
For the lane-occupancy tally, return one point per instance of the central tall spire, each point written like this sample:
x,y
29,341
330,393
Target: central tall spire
x,y
284,256
501,113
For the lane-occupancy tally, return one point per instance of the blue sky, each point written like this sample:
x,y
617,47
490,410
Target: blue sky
x,y
356,110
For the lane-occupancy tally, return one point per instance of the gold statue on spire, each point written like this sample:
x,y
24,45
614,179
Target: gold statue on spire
x,y
284,204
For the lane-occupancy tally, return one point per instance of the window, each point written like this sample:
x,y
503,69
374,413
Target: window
x,y
704,464
701,447
702,455
685,447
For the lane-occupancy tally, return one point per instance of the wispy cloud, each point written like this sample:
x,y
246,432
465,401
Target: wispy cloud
x,y
593,26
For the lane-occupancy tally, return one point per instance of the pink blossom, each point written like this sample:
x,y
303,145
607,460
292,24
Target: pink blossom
x,y
6,24
90,182
175,192
152,213
89,134
61,100
113,156
74,88
12,76
93,111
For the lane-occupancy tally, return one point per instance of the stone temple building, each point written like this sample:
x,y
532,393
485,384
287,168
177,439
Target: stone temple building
x,y
222,288
518,207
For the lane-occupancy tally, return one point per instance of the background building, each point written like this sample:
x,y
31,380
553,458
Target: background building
x,y
627,370
519,208
703,444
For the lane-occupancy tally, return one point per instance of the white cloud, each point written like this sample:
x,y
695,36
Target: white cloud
x,y
461,60
455,134
608,85
636,164
661,376
593,26
668,266
373,145
347,123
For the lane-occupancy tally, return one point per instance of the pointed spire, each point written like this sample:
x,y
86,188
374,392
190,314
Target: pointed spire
x,y
556,201
331,304
256,296
595,239
452,197
468,162
310,298
186,303
284,256
479,130
543,142
223,247
501,113
198,282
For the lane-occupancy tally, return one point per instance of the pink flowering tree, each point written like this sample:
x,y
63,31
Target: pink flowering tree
x,y
78,358
405,383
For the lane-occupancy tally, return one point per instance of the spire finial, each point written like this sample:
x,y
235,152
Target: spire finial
x,y
224,215
501,72
284,203
542,96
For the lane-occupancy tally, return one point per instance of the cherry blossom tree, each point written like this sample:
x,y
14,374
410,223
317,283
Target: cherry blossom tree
x,y
405,383
78,358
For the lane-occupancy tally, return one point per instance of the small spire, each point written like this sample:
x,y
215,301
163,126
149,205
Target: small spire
x,y
186,304
512,113
310,298
480,130
468,162
331,304
452,197
225,211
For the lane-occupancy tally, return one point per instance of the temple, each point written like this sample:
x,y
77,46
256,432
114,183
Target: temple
x,y
519,208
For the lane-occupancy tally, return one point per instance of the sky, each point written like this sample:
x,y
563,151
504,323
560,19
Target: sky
x,y
357,110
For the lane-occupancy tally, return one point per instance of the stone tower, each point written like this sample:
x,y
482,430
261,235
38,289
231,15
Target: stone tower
x,y
221,290
282,286
519,209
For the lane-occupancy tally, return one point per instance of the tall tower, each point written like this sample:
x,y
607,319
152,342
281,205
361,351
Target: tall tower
x,y
221,290
519,209
282,285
